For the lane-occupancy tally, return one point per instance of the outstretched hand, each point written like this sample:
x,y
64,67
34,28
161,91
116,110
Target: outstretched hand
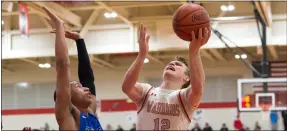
x,y
143,41
70,34
54,18
202,39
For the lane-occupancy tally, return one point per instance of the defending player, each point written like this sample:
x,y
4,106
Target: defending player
x,y
72,100
169,106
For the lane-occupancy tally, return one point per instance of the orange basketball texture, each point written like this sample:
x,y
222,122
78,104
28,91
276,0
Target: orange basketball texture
x,y
190,17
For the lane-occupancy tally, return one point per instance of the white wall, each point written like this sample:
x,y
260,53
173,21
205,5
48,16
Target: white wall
x,y
122,39
108,83
219,80
215,117
18,122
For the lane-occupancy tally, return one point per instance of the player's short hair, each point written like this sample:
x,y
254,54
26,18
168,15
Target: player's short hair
x,y
187,72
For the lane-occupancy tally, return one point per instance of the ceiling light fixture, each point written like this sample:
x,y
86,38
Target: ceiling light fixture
x,y
146,60
110,15
227,8
46,65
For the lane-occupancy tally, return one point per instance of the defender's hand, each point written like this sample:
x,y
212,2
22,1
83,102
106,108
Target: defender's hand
x,y
70,34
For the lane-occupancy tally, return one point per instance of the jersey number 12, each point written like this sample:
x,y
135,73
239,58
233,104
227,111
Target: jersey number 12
x,y
162,124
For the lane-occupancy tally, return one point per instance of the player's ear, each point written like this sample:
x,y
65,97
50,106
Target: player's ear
x,y
186,78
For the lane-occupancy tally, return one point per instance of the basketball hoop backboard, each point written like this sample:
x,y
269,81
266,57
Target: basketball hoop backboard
x,y
251,96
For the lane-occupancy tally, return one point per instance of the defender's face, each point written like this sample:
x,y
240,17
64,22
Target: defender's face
x,y
176,69
81,96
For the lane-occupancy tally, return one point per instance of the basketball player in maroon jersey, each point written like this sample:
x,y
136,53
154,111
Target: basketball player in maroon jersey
x,y
169,106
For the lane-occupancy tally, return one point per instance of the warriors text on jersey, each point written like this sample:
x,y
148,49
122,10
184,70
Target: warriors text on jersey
x,y
162,109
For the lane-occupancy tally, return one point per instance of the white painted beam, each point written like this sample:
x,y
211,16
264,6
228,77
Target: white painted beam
x,y
273,52
264,9
169,17
217,54
221,14
129,4
34,62
93,27
30,61
62,12
5,69
92,61
110,65
7,28
88,24
154,59
206,54
183,2
47,23
7,6
94,7
36,9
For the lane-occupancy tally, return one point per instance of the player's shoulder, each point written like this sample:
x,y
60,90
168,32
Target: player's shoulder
x,y
143,85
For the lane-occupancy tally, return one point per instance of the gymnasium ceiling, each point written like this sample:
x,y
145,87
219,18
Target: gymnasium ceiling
x,y
133,12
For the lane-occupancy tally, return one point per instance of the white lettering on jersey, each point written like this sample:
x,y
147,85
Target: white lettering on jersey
x,y
162,110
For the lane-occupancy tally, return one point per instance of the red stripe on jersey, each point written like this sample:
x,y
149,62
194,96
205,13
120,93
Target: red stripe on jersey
x,y
182,106
145,97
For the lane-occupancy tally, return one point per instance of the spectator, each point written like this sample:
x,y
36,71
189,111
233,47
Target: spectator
x,y
224,128
247,129
196,127
133,128
207,127
109,127
119,128
27,129
46,127
284,116
237,123
257,126
274,120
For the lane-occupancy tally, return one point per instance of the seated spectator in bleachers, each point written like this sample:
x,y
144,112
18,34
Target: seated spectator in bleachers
x,y
238,124
133,128
257,126
224,128
27,129
109,127
274,120
207,127
196,127
119,128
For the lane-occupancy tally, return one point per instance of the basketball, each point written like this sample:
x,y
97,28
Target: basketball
x,y
114,65
190,17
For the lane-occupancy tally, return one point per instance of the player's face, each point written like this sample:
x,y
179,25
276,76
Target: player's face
x,y
81,96
176,69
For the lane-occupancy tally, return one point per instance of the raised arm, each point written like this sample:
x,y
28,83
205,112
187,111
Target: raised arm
x,y
194,93
129,86
63,100
85,71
